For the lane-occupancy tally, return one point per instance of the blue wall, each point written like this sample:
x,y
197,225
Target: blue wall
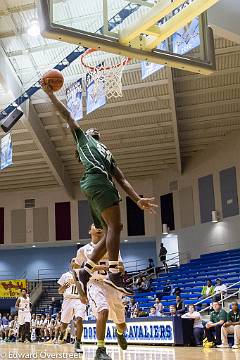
x,y
16,262
139,251
13,263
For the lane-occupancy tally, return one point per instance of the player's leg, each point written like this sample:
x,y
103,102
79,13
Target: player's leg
x,y
57,333
79,331
117,314
120,330
80,314
27,331
102,318
100,309
63,329
66,316
111,218
21,326
7,334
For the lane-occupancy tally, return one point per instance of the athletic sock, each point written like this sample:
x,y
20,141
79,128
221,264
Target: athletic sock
x,y
113,267
101,343
89,266
119,332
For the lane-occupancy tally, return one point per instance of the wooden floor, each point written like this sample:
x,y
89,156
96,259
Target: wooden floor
x,y
45,351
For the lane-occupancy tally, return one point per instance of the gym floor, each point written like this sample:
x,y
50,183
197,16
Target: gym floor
x,y
43,351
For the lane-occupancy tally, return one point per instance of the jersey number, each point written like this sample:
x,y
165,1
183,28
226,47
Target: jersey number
x,y
105,152
74,290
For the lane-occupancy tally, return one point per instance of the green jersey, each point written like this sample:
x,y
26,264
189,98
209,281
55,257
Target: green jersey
x,y
94,156
216,316
233,316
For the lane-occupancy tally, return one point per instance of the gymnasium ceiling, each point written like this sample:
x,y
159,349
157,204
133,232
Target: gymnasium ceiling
x,y
158,124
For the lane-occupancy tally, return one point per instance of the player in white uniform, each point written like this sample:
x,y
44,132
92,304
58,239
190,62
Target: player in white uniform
x,y
71,307
23,306
104,300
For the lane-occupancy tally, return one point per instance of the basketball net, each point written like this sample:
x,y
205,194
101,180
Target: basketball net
x,y
106,72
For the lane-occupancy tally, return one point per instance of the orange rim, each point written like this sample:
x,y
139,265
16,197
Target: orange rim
x,y
101,68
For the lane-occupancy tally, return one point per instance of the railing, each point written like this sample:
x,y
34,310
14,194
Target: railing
x,y
141,264
36,291
222,298
48,274
5,275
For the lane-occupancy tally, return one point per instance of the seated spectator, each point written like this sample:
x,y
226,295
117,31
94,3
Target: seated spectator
x,y
207,290
167,290
220,290
126,303
126,277
5,327
158,306
132,306
153,312
180,305
173,310
232,326
213,328
197,325
176,291
13,329
135,314
145,284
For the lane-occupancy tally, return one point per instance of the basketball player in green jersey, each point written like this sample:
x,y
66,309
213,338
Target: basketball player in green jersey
x,y
98,186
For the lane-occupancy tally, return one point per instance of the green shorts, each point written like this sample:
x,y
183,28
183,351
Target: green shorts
x,y
101,195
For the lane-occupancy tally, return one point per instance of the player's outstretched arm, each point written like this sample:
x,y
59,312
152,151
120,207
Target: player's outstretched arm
x,y
59,106
143,203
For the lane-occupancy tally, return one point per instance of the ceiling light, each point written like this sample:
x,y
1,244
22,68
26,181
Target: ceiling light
x,y
165,229
34,28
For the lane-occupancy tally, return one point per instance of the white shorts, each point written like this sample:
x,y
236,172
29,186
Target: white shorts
x,y
103,297
71,308
23,317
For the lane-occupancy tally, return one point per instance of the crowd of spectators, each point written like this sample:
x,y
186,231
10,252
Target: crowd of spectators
x,y
44,328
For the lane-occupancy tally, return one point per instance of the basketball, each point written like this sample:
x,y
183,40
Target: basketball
x,y
54,78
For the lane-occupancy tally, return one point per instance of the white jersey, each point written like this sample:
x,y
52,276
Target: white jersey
x,y
24,304
83,255
71,292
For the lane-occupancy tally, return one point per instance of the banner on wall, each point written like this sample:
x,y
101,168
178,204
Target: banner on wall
x,y
138,332
12,288
94,100
149,68
74,96
187,38
6,151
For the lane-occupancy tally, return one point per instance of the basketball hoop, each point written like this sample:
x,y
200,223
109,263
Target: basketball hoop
x,y
105,70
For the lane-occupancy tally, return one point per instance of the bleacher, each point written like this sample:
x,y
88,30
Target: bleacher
x,y
50,289
192,276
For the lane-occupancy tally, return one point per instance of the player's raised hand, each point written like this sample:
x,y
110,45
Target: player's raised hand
x,y
147,204
46,87
67,284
